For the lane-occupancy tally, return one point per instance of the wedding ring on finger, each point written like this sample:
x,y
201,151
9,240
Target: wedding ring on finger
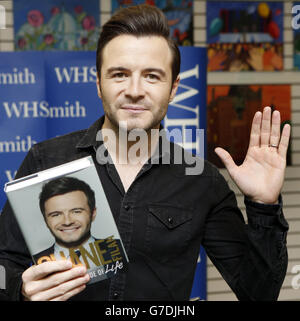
x,y
273,145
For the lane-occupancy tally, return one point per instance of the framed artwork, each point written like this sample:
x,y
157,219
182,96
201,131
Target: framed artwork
x,y
244,35
178,12
230,110
56,24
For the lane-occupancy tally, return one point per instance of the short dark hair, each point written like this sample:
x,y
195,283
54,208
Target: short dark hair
x,y
140,20
63,185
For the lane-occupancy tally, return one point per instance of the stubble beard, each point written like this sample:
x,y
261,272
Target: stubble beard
x,y
117,125
134,123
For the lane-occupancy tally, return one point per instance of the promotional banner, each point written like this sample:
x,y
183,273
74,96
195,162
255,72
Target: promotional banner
x,y
47,94
43,95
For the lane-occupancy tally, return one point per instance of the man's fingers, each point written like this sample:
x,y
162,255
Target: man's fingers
x,y
69,294
226,159
56,284
63,291
284,141
255,130
37,272
275,129
265,127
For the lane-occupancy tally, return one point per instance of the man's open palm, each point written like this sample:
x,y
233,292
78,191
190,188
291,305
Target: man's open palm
x,y
261,175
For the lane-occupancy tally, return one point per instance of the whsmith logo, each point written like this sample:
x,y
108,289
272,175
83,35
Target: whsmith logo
x,y
36,109
296,18
2,18
184,123
76,74
17,77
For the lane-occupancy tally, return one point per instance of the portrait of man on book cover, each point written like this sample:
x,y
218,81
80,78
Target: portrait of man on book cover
x,y
68,207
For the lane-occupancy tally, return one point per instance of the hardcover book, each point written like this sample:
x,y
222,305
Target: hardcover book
x,y
63,213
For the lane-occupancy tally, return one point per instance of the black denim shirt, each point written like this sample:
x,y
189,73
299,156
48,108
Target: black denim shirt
x,y
163,219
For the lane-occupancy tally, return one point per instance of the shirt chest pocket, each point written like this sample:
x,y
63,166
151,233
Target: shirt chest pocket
x,y
168,231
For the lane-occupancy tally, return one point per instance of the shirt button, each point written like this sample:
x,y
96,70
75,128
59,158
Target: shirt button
x,y
115,295
127,207
170,220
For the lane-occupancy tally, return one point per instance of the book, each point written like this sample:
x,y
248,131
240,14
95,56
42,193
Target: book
x,y
63,213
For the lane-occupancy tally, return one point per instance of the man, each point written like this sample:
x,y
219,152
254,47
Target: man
x,y
163,215
69,208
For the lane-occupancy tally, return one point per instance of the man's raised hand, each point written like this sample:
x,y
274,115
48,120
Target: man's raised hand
x,y
261,175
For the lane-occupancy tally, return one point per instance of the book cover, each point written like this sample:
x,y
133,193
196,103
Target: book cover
x,y
63,213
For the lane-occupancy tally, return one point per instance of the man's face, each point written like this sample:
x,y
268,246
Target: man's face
x,y
136,82
69,218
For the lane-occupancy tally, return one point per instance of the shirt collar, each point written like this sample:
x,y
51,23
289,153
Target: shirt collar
x,y
89,138
93,138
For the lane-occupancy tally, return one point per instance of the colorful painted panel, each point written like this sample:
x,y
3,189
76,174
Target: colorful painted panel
x,y
230,110
245,36
178,12
56,24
